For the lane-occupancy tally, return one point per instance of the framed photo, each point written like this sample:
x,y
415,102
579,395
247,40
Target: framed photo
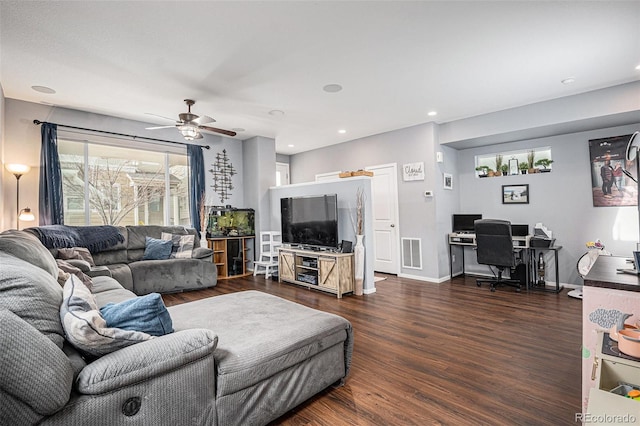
x,y
611,184
448,181
513,167
413,171
515,194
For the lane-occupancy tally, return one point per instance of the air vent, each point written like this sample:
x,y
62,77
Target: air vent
x,y
412,253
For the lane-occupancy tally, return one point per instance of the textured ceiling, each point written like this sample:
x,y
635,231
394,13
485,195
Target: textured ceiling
x,y
240,60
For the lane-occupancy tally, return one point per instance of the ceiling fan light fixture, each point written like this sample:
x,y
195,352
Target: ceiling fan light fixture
x,y
189,131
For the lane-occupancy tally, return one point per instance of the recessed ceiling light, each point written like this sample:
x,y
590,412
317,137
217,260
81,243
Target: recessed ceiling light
x,y
43,89
432,113
638,67
276,112
291,145
568,80
238,129
332,88
342,131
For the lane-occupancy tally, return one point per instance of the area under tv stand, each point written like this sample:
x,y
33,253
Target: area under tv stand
x,y
322,270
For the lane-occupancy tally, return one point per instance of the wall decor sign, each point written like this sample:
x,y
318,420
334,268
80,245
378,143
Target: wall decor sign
x,y
222,172
610,186
448,181
413,171
515,194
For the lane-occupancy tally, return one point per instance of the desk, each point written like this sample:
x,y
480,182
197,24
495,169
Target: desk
x,y
532,264
469,240
606,294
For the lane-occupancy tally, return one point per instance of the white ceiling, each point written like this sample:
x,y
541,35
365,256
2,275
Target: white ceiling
x,y
240,60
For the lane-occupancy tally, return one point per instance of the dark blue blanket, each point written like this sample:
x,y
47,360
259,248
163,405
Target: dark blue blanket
x,y
95,238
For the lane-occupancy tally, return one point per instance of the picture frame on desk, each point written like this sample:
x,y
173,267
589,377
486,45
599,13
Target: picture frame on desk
x,y
515,194
513,167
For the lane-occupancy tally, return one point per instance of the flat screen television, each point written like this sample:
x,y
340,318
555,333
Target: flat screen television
x,y
464,222
310,221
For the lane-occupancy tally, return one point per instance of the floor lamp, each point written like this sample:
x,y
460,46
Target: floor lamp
x,y
25,214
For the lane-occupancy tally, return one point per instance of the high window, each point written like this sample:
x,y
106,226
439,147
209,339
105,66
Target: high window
x,y
114,185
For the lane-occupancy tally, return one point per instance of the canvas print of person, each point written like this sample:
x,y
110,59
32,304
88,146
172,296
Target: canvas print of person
x,y
610,185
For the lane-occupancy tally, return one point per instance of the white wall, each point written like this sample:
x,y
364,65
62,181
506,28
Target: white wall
x,y
346,190
561,199
419,216
2,157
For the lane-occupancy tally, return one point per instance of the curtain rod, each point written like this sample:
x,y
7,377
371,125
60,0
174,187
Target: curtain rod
x,y
38,122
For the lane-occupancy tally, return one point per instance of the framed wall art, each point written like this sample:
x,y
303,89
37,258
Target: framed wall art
x,y
448,181
515,194
413,171
610,185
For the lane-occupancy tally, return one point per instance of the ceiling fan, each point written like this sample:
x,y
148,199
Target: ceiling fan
x,y
190,124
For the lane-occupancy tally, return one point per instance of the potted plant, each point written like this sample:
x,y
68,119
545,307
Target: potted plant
x,y
505,169
498,165
482,171
523,168
544,162
531,156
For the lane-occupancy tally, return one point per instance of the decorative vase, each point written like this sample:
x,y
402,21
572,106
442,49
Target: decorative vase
x,y
203,240
358,252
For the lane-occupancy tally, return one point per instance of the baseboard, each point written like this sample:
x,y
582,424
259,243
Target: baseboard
x,y
369,290
426,279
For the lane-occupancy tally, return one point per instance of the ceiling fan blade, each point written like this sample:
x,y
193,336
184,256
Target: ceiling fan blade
x,y
203,119
159,127
161,116
216,130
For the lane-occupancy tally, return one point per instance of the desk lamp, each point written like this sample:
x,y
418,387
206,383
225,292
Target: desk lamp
x,y
25,214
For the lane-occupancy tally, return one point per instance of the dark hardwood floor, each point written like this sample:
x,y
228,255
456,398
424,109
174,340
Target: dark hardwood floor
x,y
443,354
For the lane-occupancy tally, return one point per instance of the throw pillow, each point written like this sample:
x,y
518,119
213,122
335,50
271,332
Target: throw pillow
x,y
66,267
85,328
81,253
182,245
33,294
155,249
143,313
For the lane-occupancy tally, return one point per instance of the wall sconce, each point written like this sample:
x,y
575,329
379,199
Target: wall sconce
x,y
18,170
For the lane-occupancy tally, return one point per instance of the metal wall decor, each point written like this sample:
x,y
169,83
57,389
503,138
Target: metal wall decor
x,y
222,172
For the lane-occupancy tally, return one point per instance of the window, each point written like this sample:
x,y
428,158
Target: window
x,y
514,162
114,185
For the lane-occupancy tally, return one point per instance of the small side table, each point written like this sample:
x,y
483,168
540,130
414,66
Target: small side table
x,y
532,263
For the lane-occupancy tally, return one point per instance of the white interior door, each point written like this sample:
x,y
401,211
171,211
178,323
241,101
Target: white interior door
x,y
384,193
282,174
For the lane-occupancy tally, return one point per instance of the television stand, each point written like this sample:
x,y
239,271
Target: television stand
x,y
321,270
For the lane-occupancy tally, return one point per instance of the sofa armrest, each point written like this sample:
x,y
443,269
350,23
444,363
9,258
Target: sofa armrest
x,y
202,253
83,265
98,271
145,360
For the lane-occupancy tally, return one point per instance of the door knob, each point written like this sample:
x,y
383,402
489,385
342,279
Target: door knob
x,y
392,225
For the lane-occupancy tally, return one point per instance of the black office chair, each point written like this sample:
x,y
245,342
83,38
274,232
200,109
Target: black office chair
x,y
495,248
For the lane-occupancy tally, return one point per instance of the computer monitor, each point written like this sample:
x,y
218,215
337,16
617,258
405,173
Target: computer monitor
x,y
519,230
464,222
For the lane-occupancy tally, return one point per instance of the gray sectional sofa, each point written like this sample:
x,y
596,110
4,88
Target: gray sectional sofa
x,y
243,358
123,261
